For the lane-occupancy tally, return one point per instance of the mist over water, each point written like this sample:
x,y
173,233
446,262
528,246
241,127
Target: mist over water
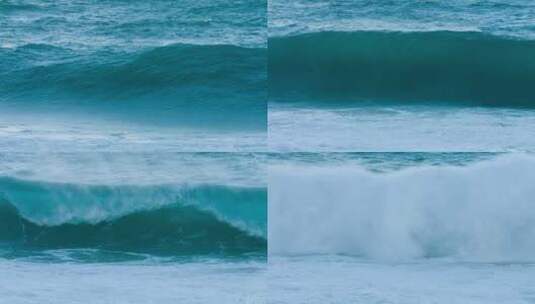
x,y
401,227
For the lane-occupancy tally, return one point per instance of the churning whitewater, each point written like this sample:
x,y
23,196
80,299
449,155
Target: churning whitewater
x,y
401,228
477,210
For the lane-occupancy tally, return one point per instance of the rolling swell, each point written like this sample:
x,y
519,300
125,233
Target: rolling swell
x,y
126,75
161,220
450,67
183,80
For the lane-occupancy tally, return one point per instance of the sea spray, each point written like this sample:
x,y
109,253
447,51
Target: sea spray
x,y
163,219
479,212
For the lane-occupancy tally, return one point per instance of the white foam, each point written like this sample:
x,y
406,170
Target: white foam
x,y
482,212
331,280
400,128
195,283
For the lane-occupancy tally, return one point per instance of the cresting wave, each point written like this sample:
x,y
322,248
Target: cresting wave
x,y
161,220
471,68
479,212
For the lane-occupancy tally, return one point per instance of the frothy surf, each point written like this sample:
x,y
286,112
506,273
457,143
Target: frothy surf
x,y
478,212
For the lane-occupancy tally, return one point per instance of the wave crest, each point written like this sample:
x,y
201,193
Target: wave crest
x,y
480,212
154,219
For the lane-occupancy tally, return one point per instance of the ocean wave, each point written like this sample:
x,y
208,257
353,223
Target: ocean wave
x,y
187,85
399,67
163,219
479,212
179,71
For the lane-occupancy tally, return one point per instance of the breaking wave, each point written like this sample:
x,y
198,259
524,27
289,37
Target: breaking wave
x,y
162,220
483,211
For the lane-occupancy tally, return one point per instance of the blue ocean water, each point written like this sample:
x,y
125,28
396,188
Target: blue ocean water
x,y
417,84
185,70
128,140
98,206
89,91
421,81
401,75
136,166
119,220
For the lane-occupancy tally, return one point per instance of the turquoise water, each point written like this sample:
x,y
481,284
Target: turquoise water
x,y
252,151
187,70
163,220
99,208
397,76
99,99
451,67
96,100
460,52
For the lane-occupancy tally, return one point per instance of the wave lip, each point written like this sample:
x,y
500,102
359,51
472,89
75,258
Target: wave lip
x,y
440,66
161,220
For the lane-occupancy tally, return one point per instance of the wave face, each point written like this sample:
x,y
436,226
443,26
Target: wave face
x,y
171,82
197,64
442,66
162,220
480,212
181,66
